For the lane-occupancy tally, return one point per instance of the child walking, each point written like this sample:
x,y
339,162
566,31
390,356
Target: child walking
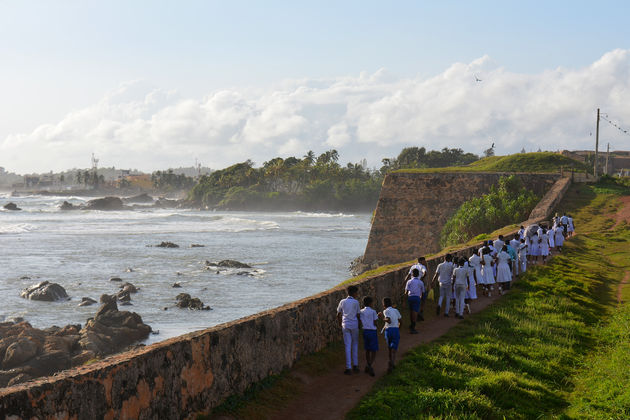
x,y
368,318
414,288
392,333
348,316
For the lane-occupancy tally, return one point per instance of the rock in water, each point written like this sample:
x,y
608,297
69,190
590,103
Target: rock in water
x,y
105,203
228,264
86,301
112,330
140,198
68,206
12,206
45,291
167,245
185,301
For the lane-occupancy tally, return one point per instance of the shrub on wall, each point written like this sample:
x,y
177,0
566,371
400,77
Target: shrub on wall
x,y
508,203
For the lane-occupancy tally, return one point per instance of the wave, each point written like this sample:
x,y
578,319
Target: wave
x,y
326,215
17,228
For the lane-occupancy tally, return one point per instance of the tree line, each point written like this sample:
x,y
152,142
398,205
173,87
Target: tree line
x,y
311,182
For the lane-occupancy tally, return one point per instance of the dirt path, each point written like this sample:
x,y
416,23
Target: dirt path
x,y
623,212
332,395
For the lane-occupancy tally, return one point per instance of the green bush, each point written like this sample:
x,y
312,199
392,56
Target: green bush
x,y
510,203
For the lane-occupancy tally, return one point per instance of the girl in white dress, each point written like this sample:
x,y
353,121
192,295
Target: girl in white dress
x,y
559,238
570,227
544,245
534,248
522,255
504,274
471,293
552,238
487,270
475,263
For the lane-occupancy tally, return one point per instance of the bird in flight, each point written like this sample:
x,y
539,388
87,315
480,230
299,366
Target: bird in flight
x,y
477,79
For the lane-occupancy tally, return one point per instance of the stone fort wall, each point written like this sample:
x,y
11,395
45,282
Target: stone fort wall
x,y
413,207
193,373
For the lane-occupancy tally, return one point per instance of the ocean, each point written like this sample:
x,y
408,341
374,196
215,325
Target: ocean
x,y
293,255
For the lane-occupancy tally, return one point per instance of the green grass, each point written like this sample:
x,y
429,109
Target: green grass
x,y
518,358
521,162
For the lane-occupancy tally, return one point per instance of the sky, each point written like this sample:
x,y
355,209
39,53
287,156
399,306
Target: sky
x,y
158,84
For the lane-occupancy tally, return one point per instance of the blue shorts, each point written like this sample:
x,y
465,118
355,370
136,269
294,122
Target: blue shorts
x,y
414,303
392,336
370,340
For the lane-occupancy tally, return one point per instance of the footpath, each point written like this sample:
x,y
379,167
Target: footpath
x,y
331,394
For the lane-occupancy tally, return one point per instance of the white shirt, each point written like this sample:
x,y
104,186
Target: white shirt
x,y
421,268
521,233
349,308
461,274
415,287
514,243
394,317
522,250
445,272
368,318
498,244
474,260
564,220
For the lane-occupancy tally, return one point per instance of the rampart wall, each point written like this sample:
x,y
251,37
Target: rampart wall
x,y
413,207
193,373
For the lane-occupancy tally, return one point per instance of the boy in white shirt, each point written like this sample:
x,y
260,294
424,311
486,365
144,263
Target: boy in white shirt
x,y
348,317
368,318
444,274
392,333
414,290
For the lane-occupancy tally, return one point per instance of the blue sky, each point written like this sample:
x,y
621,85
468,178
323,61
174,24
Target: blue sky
x,y
65,57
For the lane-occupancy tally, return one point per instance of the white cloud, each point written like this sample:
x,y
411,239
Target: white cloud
x,y
371,115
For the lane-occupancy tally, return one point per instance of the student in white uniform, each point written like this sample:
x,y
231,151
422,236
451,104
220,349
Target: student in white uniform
x,y
498,244
552,238
348,317
544,246
444,274
414,289
559,239
421,266
391,329
514,243
504,274
475,263
570,227
522,255
534,248
487,263
521,233
460,279
564,223
368,318
471,294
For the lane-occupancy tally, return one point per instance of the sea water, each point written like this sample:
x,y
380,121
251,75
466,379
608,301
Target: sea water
x,y
293,255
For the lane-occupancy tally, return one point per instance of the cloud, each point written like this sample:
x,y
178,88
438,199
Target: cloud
x,y
368,116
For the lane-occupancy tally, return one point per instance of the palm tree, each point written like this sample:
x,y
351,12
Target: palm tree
x,y
309,158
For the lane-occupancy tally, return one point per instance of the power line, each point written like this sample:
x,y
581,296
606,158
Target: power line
x,y
603,117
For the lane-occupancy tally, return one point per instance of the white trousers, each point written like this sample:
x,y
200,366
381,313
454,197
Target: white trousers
x,y
460,296
351,343
523,261
446,292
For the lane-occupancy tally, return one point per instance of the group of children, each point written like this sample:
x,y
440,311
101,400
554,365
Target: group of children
x,y
495,263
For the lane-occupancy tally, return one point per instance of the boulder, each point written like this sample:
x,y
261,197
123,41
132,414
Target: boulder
x,y
12,206
45,291
184,300
128,287
112,330
123,296
19,378
115,279
229,264
177,285
167,245
197,246
105,203
68,206
19,352
165,203
140,198
87,301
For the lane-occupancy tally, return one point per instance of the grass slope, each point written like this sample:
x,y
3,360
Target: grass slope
x,y
521,162
518,358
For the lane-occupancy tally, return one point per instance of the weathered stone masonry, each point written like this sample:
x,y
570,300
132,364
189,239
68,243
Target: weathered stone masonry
x,y
413,207
186,375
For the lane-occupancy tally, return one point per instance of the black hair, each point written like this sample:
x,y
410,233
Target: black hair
x,y
352,290
462,261
504,248
415,272
367,301
448,257
387,302
522,240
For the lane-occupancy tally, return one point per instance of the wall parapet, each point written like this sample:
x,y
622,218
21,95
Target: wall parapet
x,y
193,373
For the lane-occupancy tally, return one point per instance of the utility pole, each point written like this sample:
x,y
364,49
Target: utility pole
x,y
607,157
596,144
